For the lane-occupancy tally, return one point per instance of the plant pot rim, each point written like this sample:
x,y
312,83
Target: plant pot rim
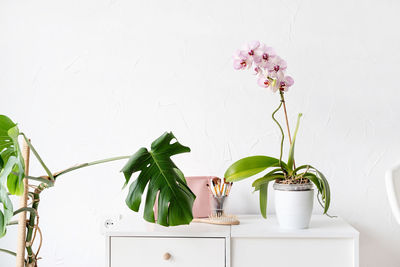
x,y
293,187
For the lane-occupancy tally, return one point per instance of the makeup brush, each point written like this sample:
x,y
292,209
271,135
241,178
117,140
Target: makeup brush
x,y
209,188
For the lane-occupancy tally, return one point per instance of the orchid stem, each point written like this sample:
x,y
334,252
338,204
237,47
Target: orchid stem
x,y
283,135
286,117
287,121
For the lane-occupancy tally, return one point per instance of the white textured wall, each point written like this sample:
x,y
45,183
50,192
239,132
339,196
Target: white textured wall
x,y
89,79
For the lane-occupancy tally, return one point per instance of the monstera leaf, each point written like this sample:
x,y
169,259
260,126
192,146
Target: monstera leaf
x,y
11,169
12,162
164,179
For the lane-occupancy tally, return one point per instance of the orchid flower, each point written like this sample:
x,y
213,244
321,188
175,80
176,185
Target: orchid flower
x,y
265,82
251,48
241,60
283,83
269,68
264,55
277,67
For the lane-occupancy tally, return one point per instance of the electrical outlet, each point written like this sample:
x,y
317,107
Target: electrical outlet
x,y
109,223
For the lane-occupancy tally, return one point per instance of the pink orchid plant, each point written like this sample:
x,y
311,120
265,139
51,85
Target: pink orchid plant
x,y
270,70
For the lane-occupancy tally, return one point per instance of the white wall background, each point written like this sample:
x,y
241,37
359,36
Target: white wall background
x,y
91,79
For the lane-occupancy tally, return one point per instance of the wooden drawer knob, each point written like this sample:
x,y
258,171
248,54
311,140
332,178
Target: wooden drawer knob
x,y
167,256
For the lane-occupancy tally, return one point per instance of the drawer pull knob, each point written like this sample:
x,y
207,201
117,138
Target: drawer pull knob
x,y
167,256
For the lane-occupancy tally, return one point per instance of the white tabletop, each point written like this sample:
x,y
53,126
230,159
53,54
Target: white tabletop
x,y
137,226
321,226
251,226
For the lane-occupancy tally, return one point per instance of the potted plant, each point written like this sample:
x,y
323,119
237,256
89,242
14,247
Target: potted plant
x,y
293,185
156,171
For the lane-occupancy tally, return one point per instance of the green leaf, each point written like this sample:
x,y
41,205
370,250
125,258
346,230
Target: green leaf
x,y
261,184
250,166
290,162
163,179
180,175
326,196
325,189
7,212
314,179
14,183
7,145
13,171
263,199
266,179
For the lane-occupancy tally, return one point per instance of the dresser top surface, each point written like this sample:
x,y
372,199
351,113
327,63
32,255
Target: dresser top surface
x,y
251,226
321,226
137,226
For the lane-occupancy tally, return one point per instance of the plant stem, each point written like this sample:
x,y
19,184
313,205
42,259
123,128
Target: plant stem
x,y
31,224
36,200
38,157
40,179
287,121
286,117
283,136
83,165
24,209
8,251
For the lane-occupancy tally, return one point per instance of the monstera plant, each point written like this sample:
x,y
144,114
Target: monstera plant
x,y
155,168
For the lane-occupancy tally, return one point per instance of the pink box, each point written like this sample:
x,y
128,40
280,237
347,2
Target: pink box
x,y
202,203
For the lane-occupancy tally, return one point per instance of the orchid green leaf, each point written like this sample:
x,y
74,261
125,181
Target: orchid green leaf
x,y
266,179
290,162
326,192
263,194
261,184
250,166
314,179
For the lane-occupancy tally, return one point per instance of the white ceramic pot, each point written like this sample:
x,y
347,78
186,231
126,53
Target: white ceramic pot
x,y
293,205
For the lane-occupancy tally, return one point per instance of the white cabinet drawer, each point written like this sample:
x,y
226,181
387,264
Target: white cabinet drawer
x,y
150,251
289,252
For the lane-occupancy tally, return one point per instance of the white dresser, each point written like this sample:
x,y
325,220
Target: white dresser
x,y
255,242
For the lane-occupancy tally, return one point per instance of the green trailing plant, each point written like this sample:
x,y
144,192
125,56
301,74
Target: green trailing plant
x,y
155,168
270,70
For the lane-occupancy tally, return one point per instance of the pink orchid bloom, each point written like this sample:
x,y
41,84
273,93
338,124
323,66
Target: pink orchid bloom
x,y
257,70
276,67
241,60
264,55
252,47
268,67
264,82
283,83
